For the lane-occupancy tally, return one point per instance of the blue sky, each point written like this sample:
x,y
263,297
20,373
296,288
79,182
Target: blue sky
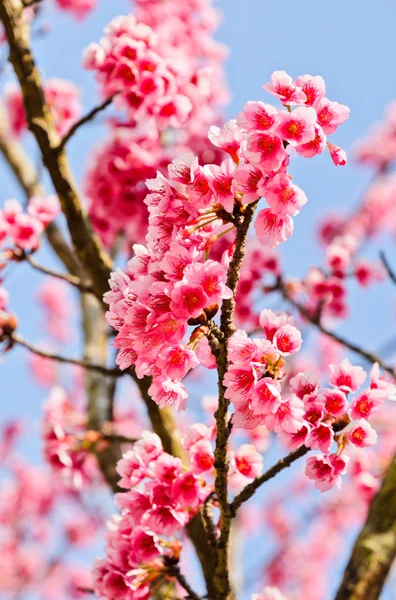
x,y
349,43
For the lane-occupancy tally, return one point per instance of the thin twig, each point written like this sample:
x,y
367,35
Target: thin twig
x,y
85,119
27,3
388,268
283,463
17,339
174,571
313,319
118,439
252,487
75,281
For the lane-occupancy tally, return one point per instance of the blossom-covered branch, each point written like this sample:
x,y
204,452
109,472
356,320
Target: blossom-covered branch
x,y
219,347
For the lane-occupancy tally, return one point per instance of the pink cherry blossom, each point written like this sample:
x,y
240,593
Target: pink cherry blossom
x,y
177,361
266,151
282,86
228,138
257,116
188,300
283,197
347,377
335,401
248,461
313,88
273,229
266,397
287,340
330,114
321,437
297,127
362,434
315,146
249,180
338,155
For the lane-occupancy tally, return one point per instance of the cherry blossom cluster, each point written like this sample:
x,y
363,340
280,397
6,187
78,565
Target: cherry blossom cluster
x,y
145,144
172,282
323,408
115,187
257,387
344,235
162,497
70,447
188,30
79,8
378,148
259,264
114,182
53,298
62,97
131,61
40,522
306,534
23,229
324,291
63,435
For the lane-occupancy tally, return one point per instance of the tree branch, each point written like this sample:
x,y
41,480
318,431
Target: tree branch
x,y
388,268
71,279
17,339
252,487
174,571
85,119
218,341
375,548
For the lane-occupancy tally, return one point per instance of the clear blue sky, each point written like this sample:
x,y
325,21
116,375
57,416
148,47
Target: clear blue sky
x,y
350,43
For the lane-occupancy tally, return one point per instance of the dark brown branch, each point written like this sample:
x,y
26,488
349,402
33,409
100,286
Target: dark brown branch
x,y
17,339
252,487
71,279
283,463
210,527
27,3
388,268
85,119
118,439
375,548
314,320
218,341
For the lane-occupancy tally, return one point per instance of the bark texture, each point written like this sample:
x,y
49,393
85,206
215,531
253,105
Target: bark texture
x,y
375,548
